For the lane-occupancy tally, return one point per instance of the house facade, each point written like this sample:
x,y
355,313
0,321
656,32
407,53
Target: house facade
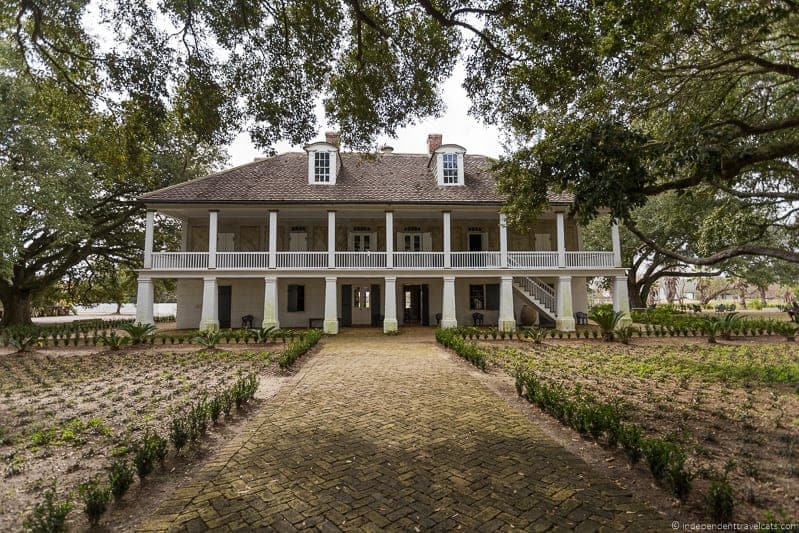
x,y
326,238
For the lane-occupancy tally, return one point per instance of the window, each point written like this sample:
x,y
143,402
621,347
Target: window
x,y
484,297
413,242
296,298
322,167
450,168
361,242
477,297
361,297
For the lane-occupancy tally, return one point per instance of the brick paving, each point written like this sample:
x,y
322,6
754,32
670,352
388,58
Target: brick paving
x,y
379,432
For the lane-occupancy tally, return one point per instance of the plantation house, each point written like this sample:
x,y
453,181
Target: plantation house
x,y
331,238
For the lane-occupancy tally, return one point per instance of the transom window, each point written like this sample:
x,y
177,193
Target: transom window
x,y
322,167
450,168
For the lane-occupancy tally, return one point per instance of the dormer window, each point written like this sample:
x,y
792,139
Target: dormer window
x,y
450,169
447,162
321,167
323,163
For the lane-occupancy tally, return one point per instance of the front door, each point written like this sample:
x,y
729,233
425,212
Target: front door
x,y
346,305
223,305
412,304
377,315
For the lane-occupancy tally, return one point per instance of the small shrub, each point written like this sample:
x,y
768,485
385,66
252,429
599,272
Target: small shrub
x,y
297,349
95,499
631,440
215,408
208,338
48,516
178,433
120,478
138,332
657,453
719,500
114,341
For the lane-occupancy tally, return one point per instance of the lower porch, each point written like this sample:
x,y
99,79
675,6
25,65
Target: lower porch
x,y
331,302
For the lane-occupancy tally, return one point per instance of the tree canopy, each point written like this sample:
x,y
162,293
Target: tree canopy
x,y
70,175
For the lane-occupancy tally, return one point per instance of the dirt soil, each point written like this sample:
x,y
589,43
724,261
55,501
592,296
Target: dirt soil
x,y
67,413
734,405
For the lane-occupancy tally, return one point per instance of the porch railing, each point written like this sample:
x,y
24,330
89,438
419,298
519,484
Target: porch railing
x,y
179,260
242,260
533,259
589,259
418,260
302,260
361,260
378,260
475,259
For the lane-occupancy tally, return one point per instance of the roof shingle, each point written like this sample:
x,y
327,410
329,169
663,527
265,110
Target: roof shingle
x,y
369,179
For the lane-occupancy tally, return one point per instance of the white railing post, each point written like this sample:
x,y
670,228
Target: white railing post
x,y
389,239
148,238
561,237
447,240
331,239
273,238
616,240
503,241
213,219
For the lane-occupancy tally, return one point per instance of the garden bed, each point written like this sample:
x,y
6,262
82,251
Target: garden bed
x,y
732,407
68,415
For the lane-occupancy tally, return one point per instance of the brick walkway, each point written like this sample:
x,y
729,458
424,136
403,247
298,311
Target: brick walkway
x,y
380,432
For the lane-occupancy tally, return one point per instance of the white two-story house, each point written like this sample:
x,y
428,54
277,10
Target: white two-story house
x,y
334,239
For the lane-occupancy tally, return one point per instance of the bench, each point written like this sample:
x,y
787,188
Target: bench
x,y
312,321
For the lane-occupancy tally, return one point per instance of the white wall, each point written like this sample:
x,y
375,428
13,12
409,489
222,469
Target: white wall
x,y
190,301
314,301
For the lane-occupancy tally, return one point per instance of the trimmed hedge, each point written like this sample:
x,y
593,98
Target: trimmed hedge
x,y
470,351
297,349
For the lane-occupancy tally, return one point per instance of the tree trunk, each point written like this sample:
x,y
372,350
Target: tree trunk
x,y
119,308
638,293
16,308
742,298
763,294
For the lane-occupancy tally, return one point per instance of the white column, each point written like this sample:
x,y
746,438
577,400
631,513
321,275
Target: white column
x,y
565,316
621,300
330,324
449,318
507,317
271,319
614,237
561,237
331,239
144,301
148,238
210,312
273,238
390,312
447,242
184,235
389,239
503,241
213,216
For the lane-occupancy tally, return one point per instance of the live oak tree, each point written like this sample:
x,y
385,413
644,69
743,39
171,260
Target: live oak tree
x,y
69,178
618,102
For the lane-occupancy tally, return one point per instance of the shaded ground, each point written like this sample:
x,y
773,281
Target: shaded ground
x,y
389,432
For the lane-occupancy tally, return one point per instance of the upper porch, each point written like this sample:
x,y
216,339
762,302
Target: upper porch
x,y
376,238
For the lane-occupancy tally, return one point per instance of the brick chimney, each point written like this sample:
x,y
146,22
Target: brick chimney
x,y
434,140
334,138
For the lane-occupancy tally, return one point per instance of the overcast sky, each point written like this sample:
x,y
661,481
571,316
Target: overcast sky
x,y
456,126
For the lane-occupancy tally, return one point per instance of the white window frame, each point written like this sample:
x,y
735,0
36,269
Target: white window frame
x,y
438,160
331,152
322,167
449,169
